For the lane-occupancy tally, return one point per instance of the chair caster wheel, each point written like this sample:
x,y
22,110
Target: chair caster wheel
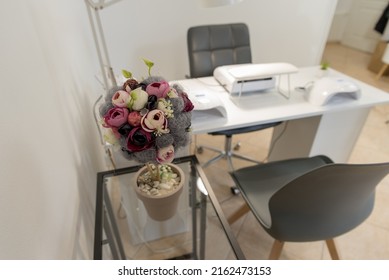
x,y
200,150
235,190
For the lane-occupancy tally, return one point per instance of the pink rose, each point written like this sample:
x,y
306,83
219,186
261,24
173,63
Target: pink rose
x,y
139,140
134,118
159,89
155,121
165,155
115,117
120,98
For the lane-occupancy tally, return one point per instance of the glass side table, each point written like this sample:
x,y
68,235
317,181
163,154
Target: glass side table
x,y
123,229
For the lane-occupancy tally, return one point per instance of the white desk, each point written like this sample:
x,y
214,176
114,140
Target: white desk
x,y
331,130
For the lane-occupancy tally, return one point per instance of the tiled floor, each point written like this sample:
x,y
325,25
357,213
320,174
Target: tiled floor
x,y
368,241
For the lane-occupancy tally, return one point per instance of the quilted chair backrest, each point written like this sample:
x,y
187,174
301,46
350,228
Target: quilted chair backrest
x,y
210,46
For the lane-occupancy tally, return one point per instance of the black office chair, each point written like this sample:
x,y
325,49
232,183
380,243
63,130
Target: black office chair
x,y
210,46
308,199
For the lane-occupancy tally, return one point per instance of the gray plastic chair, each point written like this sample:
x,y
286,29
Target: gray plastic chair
x,y
308,199
210,46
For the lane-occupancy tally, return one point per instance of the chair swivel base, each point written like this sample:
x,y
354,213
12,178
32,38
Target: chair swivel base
x,y
228,155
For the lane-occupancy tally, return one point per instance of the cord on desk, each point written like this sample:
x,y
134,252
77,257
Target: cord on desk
x,y
275,141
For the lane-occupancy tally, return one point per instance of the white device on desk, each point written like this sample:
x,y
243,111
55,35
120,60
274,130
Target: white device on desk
x,y
207,106
331,89
242,78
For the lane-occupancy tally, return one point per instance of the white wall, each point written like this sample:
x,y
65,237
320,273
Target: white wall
x,y
49,148
340,20
353,24
281,30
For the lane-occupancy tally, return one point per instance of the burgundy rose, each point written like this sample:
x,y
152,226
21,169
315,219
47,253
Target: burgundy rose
x,y
159,89
130,84
139,140
188,105
124,130
152,102
115,117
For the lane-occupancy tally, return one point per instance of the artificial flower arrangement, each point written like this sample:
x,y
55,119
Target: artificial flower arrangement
x,y
148,120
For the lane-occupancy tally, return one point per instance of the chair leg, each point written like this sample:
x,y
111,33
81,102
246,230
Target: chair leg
x,y
381,72
332,249
239,213
276,250
278,245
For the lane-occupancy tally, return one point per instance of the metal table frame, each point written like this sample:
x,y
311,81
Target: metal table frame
x,y
105,221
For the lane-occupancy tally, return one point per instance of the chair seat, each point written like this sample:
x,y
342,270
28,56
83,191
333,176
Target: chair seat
x,y
308,199
259,183
246,129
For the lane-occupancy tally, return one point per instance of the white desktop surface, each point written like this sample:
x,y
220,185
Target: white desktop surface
x,y
331,129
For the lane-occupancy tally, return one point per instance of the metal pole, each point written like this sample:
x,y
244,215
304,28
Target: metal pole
x,y
99,38
104,46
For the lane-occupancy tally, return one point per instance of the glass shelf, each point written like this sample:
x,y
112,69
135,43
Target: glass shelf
x,y
123,229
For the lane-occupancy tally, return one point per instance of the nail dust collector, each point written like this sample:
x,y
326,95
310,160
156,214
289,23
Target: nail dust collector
x,y
241,78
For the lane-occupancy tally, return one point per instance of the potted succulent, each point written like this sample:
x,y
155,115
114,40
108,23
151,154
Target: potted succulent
x,y
149,120
159,188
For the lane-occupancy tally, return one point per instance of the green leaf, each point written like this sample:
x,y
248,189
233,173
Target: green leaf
x,y
324,65
148,62
127,74
149,65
